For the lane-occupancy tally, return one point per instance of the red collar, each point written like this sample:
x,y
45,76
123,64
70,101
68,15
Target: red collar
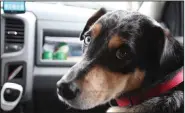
x,y
156,91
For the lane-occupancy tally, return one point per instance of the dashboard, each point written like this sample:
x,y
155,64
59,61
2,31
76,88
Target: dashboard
x,y
37,76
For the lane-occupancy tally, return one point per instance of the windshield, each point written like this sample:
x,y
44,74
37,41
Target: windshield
x,y
132,6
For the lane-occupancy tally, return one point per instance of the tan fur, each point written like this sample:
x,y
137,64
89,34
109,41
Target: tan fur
x,y
95,30
115,41
100,84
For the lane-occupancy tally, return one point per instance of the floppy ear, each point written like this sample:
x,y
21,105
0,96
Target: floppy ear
x,y
92,20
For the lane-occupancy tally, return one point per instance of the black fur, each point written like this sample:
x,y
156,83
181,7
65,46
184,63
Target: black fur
x,y
172,102
147,48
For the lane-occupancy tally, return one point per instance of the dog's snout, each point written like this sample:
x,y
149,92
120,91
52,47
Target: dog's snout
x,y
67,90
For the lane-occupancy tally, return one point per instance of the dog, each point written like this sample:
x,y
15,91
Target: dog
x,y
125,54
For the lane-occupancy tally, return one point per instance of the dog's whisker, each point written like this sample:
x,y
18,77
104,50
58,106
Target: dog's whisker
x,y
110,104
69,107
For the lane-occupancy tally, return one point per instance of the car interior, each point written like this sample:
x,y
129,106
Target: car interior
x,y
40,42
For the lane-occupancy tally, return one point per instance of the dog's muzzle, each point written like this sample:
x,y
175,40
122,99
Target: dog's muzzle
x,y
66,86
67,91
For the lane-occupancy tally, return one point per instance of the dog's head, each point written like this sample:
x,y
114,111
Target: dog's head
x,y
119,47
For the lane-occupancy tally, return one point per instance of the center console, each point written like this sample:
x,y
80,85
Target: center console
x,y
17,55
37,49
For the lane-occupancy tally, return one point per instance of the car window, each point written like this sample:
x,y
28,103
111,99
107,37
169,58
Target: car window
x,y
108,5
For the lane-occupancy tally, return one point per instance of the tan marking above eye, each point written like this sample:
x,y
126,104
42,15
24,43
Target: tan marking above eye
x,y
115,41
95,30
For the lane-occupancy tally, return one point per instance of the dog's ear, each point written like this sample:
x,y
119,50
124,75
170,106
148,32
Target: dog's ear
x,y
92,20
157,40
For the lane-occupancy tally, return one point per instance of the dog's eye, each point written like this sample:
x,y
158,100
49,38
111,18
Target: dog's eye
x,y
87,40
120,55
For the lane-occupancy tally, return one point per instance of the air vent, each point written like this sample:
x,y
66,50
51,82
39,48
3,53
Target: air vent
x,y
14,34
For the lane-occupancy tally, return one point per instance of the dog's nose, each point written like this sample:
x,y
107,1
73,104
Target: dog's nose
x,y
67,90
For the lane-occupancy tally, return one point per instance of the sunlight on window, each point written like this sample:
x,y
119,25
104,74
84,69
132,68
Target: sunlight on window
x,y
133,6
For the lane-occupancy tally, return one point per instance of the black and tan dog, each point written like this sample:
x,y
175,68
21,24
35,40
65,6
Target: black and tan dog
x,y
126,55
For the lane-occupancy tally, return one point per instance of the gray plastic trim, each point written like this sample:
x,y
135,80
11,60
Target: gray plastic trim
x,y
50,71
26,54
